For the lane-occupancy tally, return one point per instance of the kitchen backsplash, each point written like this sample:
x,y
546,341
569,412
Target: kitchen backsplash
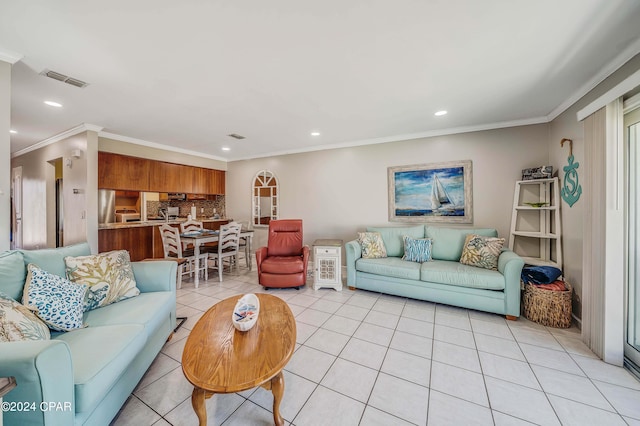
x,y
204,208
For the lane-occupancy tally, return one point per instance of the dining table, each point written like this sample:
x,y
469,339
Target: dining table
x,y
198,238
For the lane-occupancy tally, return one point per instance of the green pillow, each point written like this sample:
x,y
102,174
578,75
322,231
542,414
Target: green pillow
x,y
52,260
12,274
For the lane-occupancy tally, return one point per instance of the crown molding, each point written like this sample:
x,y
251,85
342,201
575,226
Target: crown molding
x,y
625,56
84,127
406,137
159,146
9,56
619,90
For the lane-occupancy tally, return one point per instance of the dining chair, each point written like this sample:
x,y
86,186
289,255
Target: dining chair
x,y
172,247
228,242
189,226
243,245
196,225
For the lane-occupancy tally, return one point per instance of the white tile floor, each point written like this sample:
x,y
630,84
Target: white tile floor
x,y
370,359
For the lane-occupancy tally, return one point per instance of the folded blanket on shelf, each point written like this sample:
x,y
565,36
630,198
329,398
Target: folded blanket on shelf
x,y
540,274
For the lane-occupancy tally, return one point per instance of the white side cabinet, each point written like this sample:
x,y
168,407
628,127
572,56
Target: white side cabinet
x,y
327,255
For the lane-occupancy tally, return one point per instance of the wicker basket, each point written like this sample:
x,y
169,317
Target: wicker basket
x,y
547,307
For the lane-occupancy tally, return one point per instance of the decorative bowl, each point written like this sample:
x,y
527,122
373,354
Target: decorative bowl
x,y
538,205
246,312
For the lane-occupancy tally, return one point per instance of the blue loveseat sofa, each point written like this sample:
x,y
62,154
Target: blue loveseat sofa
x,y
443,280
83,377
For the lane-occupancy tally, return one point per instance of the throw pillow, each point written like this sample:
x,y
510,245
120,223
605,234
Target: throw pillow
x,y
482,252
109,276
372,245
56,300
19,323
417,249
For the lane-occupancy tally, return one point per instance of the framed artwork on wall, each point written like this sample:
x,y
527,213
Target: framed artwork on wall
x,y
436,192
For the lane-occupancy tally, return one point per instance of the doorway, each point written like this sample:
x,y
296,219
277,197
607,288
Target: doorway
x,y
16,208
55,204
632,294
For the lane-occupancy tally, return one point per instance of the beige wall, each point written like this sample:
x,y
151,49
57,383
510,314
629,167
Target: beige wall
x,y
80,206
566,125
339,192
134,150
5,154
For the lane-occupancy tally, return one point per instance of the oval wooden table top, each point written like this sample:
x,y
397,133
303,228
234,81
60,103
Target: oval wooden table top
x,y
220,359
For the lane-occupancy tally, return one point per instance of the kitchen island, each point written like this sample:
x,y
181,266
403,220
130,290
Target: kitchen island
x,y
142,239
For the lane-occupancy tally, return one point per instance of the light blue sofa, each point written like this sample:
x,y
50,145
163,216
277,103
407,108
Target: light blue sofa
x,y
443,280
92,370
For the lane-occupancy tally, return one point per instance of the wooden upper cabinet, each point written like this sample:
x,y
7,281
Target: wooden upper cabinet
x,y
169,177
122,172
218,182
125,173
200,181
208,181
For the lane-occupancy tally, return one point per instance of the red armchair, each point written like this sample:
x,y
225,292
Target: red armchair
x,y
283,263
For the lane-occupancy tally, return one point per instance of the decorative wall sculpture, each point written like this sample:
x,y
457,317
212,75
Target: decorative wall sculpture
x,y
571,188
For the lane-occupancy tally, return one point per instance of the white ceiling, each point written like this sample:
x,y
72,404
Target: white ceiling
x,y
188,73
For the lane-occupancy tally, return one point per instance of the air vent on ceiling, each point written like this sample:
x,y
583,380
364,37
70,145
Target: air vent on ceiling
x,y
236,136
64,78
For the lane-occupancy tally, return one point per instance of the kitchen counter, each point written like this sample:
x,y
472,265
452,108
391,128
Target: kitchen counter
x,y
120,225
142,239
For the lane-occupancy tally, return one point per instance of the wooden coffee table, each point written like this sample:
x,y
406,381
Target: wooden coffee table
x,y
219,359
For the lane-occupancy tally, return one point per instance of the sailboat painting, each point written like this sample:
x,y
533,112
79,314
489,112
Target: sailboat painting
x,y
439,192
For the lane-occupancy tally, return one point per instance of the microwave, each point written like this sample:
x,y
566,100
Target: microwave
x,y
177,196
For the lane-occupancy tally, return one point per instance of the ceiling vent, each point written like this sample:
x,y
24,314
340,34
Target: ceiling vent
x,y
236,136
64,78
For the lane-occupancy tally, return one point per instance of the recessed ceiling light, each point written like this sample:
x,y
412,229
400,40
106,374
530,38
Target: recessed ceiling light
x,y
439,113
53,104
226,148
13,131
315,133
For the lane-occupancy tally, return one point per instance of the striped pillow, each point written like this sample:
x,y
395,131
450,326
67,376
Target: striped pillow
x,y
417,249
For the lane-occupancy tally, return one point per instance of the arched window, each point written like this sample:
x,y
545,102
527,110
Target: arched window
x,y
265,198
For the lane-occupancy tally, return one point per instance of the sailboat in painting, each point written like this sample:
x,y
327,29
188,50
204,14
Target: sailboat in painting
x,y
439,196
441,201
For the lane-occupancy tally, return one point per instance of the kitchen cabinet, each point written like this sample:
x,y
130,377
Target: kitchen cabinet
x,y
137,240
169,177
208,181
142,241
123,172
128,194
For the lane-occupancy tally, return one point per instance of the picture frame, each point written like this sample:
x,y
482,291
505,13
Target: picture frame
x,y
435,192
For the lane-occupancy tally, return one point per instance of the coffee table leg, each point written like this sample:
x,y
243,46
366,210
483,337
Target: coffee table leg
x,y
277,388
197,400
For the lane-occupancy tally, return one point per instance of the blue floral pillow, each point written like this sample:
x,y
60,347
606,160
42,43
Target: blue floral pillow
x,y
417,249
57,301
